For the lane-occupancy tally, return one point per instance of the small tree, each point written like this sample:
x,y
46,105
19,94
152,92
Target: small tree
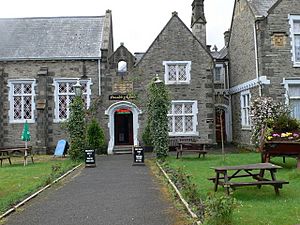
x,y
95,136
158,107
76,128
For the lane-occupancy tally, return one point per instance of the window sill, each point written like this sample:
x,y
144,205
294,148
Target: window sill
x,y
21,121
183,134
246,128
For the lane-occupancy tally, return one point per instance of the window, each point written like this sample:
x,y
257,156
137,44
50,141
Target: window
x,y
177,72
183,118
292,87
295,36
219,76
245,108
64,93
21,98
122,68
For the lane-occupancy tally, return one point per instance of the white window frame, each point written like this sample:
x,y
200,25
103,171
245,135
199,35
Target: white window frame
x,y
286,83
11,95
194,114
292,19
56,82
222,73
245,110
187,70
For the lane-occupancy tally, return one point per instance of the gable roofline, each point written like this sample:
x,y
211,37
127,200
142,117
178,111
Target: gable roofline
x,y
274,6
174,14
255,17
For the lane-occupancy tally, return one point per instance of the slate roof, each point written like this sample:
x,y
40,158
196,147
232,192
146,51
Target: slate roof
x,y
222,54
50,38
261,7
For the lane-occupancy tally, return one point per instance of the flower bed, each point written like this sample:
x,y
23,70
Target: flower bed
x,y
287,136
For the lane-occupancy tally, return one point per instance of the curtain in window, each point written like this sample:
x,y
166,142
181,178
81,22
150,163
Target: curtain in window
x,y
295,108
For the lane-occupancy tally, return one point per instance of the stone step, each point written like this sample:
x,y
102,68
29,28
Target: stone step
x,y
123,149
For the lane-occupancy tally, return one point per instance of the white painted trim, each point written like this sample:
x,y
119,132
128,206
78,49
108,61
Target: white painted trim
x,y
292,18
111,112
188,71
11,103
285,83
195,118
249,84
243,122
67,80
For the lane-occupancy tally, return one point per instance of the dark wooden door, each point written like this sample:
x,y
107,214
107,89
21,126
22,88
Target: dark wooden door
x,y
123,127
220,118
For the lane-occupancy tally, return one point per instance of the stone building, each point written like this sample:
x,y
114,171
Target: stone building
x,y
264,55
42,58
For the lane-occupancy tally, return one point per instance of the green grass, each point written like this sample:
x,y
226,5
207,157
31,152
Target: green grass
x,y
257,206
18,181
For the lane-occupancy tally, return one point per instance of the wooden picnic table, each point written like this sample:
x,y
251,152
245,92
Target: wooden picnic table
x,y
6,152
191,146
255,171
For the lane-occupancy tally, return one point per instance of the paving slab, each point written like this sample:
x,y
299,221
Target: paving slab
x,y
112,193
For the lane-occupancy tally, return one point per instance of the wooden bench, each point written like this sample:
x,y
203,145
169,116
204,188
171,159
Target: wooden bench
x,y
8,151
3,156
191,146
224,179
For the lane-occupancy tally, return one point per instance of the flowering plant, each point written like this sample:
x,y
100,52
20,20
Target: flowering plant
x,y
287,136
264,112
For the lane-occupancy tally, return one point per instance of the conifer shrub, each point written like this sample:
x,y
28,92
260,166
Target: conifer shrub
x,y
95,137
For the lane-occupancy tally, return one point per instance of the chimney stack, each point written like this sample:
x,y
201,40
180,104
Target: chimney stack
x,y
198,24
226,37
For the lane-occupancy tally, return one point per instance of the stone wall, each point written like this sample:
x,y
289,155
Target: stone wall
x,y
44,132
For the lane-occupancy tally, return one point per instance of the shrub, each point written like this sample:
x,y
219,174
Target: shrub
x,y
264,110
146,136
284,123
95,137
219,210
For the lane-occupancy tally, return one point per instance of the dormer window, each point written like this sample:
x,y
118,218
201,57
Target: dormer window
x,y
219,73
177,72
295,36
122,67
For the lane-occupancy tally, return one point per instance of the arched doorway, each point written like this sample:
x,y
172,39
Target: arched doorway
x,y
123,127
123,124
223,122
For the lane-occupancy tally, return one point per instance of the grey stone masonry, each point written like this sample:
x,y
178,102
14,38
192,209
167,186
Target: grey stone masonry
x,y
1,106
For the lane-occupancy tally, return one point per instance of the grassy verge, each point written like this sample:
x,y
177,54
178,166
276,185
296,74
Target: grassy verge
x,y
18,181
257,206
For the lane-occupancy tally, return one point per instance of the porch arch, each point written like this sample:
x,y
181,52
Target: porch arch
x,y
111,124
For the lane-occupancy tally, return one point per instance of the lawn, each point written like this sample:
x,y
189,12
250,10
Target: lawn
x,y
18,181
257,206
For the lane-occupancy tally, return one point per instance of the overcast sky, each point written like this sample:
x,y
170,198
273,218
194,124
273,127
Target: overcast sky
x,y
135,22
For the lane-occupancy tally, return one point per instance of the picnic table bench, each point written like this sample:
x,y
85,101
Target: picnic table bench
x,y
255,171
6,153
191,146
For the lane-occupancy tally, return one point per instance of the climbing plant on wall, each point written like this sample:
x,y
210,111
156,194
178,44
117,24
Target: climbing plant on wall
x,y
157,111
77,129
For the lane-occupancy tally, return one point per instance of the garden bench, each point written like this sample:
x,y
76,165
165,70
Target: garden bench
x,y
3,156
8,151
191,146
258,178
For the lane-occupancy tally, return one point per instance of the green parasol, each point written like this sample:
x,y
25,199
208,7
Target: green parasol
x,y
25,133
25,137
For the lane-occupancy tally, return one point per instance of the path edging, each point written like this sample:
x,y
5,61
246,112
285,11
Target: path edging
x,y
184,202
36,193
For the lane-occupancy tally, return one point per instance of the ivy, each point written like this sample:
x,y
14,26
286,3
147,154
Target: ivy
x,y
157,109
77,129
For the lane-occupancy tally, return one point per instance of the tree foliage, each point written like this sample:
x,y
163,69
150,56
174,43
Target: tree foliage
x,y
157,109
77,129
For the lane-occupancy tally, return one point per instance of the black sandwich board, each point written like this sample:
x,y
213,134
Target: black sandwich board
x,y
90,158
138,156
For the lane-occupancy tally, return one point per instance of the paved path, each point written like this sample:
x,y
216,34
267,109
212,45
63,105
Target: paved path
x,y
113,193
